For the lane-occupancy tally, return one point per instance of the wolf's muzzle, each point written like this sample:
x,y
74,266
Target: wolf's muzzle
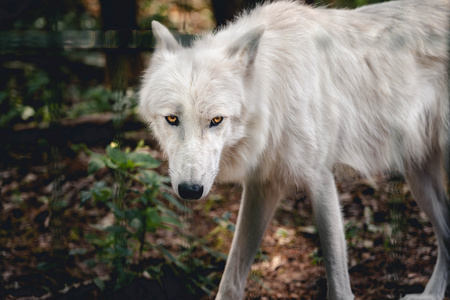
x,y
190,191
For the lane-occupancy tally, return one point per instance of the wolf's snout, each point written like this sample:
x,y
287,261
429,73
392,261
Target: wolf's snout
x,y
190,191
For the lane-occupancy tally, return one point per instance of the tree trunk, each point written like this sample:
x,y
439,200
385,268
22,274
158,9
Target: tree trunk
x,y
123,65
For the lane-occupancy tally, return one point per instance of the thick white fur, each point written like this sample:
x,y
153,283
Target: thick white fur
x,y
302,89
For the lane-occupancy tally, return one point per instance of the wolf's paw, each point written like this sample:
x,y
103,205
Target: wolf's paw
x,y
420,297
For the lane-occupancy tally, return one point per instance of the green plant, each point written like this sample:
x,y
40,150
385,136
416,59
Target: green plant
x,y
351,233
25,103
316,257
96,99
142,213
145,207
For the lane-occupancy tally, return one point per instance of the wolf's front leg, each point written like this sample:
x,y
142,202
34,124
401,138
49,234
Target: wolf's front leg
x,y
329,223
258,204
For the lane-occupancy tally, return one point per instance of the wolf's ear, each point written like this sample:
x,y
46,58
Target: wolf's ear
x,y
164,39
246,47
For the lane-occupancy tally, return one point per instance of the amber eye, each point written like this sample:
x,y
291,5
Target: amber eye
x,y
172,120
216,121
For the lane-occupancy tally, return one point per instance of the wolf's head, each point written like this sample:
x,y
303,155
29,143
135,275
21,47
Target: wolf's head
x,y
194,100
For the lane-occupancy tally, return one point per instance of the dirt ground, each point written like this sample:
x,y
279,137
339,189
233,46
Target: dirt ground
x,y
392,249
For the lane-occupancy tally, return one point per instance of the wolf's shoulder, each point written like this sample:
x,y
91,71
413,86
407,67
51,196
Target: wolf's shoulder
x,y
293,22
282,17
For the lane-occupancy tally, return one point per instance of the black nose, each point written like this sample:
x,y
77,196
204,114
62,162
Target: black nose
x,y
190,191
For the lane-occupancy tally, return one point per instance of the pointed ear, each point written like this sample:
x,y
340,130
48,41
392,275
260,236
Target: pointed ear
x,y
246,47
164,39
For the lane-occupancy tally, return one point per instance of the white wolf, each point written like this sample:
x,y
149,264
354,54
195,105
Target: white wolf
x,y
279,97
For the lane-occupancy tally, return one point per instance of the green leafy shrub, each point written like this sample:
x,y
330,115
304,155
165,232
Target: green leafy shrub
x,y
95,100
145,207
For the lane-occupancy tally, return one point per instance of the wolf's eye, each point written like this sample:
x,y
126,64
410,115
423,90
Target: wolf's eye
x,y
172,120
216,121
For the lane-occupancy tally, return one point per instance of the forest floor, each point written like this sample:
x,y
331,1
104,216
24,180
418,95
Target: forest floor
x,y
391,245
